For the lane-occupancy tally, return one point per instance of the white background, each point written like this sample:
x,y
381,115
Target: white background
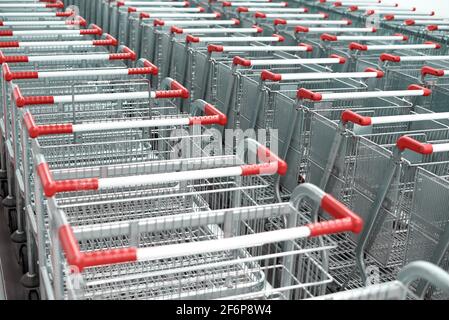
x,y
441,7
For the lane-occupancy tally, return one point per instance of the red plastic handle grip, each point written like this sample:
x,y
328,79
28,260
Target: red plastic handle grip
x,y
213,116
268,158
409,143
82,260
35,131
9,44
148,68
241,61
426,91
351,116
6,33
22,101
308,94
268,75
93,30
358,46
126,54
328,37
51,187
426,70
346,220
389,57
301,29
108,41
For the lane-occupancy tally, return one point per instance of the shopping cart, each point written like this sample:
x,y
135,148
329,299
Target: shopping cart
x,y
386,200
228,248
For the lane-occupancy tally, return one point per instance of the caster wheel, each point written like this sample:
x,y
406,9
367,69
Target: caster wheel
x,y
23,258
33,295
12,220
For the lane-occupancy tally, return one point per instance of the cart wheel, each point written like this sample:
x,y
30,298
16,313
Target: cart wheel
x,y
12,220
23,258
33,295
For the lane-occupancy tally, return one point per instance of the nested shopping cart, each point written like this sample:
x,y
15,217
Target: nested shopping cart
x,y
185,184
345,167
202,254
145,135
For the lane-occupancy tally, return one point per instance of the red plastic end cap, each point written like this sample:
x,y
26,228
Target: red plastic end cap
x,y
215,48
211,110
265,155
186,3
7,74
242,9
328,37
396,4
357,46
341,59
427,92
389,17
432,13
132,9
201,9
175,29
339,211
241,61
414,9
351,116
190,38
405,142
279,21
258,29
280,38
409,22
348,22
158,22
226,4
217,14
373,29
6,33
432,27
236,21
18,97
379,73
325,15
175,85
144,15
337,4
390,57
437,45
299,29
268,75
1,23
426,70
353,8
9,44
404,37
306,10
260,15
57,4
120,3
82,21
370,12
309,95
35,131
309,48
